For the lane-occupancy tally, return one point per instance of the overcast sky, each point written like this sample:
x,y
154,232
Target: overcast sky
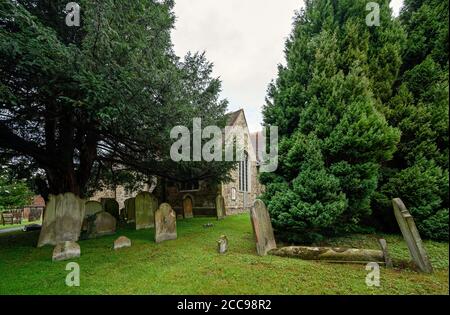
x,y
245,41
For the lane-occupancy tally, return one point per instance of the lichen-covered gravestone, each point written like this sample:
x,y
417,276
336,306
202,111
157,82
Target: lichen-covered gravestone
x,y
411,236
130,209
165,223
104,224
112,207
145,206
262,228
220,207
63,219
92,208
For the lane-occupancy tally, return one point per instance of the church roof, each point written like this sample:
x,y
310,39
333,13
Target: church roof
x,y
233,116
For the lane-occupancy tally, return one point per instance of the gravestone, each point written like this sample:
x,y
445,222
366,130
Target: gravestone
x,y
111,206
130,210
387,257
145,206
99,224
65,251
122,242
262,228
63,218
165,223
222,244
220,207
411,236
92,208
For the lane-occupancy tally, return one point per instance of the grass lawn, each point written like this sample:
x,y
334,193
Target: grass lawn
x,y
191,265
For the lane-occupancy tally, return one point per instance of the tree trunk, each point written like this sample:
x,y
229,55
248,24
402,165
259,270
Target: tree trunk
x,y
349,255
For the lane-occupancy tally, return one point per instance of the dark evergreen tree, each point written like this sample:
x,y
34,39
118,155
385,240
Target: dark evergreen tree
x,y
326,103
418,173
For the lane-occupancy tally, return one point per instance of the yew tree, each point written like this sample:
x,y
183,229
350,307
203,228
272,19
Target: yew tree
x,y
75,100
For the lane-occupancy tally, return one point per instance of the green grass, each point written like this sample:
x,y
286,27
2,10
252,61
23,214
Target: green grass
x,y
191,265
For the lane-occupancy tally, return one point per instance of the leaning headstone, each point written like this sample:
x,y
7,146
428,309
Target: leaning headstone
x,y
222,244
130,210
62,220
65,251
387,257
112,207
262,228
220,207
165,224
122,242
92,208
145,206
411,236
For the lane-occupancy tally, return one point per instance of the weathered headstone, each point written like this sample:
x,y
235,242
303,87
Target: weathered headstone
x,y
222,244
122,242
62,220
104,224
98,225
92,208
130,209
188,212
145,207
262,228
387,257
112,207
411,236
65,251
220,207
165,223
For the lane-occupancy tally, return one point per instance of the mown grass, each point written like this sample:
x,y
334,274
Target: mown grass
x,y
191,265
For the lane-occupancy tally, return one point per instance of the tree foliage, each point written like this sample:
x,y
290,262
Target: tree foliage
x,y
74,100
326,102
418,173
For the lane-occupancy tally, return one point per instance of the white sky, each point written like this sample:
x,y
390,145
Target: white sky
x,y
245,41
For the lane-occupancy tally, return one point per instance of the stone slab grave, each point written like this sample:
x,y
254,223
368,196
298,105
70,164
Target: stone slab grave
x,y
65,251
220,207
92,208
63,219
111,206
331,254
145,206
165,223
262,228
411,236
130,209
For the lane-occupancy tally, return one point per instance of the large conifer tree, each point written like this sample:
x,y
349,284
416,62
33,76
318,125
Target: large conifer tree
x,y
326,103
419,171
